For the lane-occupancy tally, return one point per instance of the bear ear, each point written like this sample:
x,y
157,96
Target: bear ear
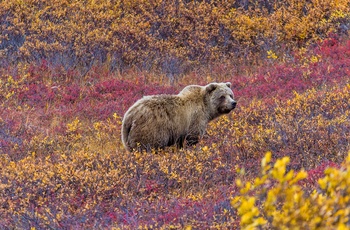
x,y
229,84
211,87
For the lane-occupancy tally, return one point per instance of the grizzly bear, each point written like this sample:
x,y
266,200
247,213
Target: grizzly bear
x,y
165,120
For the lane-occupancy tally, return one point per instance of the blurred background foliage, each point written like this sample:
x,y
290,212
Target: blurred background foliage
x,y
173,37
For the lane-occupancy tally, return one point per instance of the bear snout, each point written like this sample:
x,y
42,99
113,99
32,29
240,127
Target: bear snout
x,y
234,103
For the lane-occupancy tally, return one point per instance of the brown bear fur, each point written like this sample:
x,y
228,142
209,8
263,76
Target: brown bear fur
x,y
164,120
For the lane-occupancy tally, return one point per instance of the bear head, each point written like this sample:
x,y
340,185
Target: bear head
x,y
219,99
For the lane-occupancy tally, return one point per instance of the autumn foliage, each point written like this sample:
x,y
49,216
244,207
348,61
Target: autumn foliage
x,y
70,69
168,36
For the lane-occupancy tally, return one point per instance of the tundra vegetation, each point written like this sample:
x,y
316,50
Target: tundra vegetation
x,y
70,69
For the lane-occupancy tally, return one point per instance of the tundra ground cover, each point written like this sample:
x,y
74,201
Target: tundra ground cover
x,y
62,164
172,36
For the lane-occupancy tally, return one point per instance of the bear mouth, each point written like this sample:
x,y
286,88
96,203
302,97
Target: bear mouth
x,y
225,110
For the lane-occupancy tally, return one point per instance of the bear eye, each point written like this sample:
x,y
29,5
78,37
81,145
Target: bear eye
x,y
231,96
222,97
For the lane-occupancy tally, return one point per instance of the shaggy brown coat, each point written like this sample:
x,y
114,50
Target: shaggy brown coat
x,y
164,120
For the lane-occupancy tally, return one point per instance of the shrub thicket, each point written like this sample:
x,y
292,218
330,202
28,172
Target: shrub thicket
x,y
62,163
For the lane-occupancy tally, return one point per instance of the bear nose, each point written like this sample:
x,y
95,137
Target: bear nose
x,y
234,103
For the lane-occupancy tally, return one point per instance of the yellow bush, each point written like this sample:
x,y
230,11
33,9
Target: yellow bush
x,y
276,200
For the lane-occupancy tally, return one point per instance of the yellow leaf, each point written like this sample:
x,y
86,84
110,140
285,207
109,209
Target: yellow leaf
x,y
235,200
323,183
247,218
205,148
289,175
259,181
280,168
342,226
239,182
246,188
266,159
348,157
247,205
300,176
260,221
